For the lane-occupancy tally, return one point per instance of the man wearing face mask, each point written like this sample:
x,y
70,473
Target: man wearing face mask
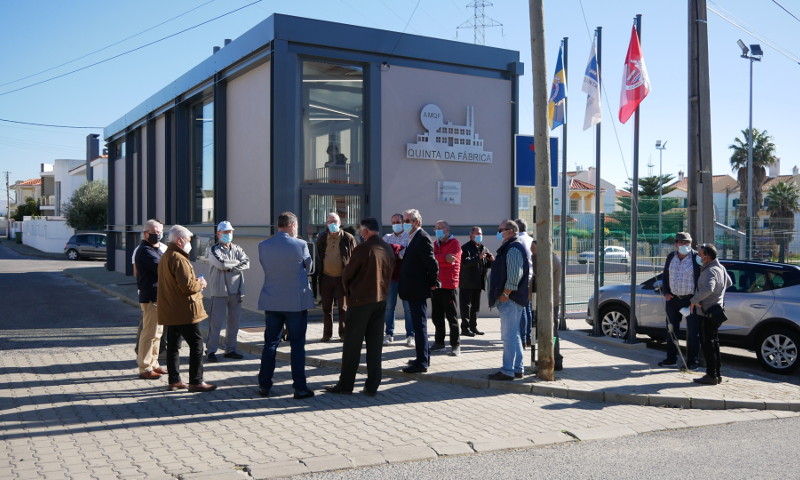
x,y
419,276
447,251
679,283
226,289
146,258
334,249
707,303
180,308
475,262
398,239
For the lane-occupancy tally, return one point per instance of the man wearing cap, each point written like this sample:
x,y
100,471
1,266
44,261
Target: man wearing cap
x,y
679,283
226,289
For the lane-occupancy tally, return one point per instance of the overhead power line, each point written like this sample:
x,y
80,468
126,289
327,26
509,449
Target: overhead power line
x,y
107,46
131,50
784,9
46,124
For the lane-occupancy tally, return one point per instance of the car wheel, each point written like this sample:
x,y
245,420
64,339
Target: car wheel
x,y
72,254
777,350
614,321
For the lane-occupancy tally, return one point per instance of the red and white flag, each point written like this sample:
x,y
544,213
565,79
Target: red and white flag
x,y
635,82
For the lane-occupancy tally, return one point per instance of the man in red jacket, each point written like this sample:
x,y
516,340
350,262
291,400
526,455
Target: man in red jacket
x,y
447,251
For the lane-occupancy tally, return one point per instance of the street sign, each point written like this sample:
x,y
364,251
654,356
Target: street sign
x,y
525,161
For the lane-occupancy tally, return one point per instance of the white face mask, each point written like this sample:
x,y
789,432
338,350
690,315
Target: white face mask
x,y
684,249
187,247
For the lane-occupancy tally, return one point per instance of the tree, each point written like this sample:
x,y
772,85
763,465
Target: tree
x,y
88,206
763,157
648,186
29,208
783,201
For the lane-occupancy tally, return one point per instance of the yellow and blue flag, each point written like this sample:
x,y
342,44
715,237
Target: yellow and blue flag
x,y
556,111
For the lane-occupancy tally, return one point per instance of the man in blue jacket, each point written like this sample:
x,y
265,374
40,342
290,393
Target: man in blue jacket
x,y
285,298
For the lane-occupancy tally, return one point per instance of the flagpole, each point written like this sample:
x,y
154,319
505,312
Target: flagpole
x,y
562,323
596,330
634,209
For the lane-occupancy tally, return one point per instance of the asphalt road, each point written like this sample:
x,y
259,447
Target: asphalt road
x,y
763,449
45,309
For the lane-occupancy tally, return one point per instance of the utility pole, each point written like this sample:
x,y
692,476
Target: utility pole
x,y
544,258
8,207
700,194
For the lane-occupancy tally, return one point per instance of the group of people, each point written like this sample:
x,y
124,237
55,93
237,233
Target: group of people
x,y
364,280
693,285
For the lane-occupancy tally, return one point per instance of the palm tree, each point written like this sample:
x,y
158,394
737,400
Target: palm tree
x,y
783,201
763,157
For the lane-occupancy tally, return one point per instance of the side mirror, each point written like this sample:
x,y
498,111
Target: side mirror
x,y
657,286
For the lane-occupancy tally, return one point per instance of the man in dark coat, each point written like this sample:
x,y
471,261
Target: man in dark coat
x,y
475,261
419,274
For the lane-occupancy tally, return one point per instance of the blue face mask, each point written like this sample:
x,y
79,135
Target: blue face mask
x,y
684,249
699,260
397,228
226,238
439,234
500,236
407,227
334,228
478,238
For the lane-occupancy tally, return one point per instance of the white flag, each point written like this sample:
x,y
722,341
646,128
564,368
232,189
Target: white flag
x,y
591,86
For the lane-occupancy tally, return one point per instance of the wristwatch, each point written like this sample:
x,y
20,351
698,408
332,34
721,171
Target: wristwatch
x,y
504,294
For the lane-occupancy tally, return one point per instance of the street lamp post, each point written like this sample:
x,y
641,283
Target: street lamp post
x,y
757,53
660,147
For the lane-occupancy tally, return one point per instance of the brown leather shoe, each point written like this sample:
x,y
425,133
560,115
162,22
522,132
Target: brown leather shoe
x,y
149,375
161,371
202,387
176,386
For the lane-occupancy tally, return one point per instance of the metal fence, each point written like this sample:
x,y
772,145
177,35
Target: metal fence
x,y
769,243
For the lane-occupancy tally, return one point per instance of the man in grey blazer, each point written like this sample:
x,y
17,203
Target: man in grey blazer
x,y
285,298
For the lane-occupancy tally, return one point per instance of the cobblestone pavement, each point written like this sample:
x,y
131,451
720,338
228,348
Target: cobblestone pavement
x,y
83,413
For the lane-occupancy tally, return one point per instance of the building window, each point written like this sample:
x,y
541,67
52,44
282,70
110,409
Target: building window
x,y
202,157
573,205
333,119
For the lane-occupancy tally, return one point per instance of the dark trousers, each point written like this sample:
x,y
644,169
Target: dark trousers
x,y
331,288
709,337
692,331
364,323
296,323
190,333
443,305
469,299
419,318
558,359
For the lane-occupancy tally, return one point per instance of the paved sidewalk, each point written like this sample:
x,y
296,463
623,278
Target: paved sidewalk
x,y
596,369
75,412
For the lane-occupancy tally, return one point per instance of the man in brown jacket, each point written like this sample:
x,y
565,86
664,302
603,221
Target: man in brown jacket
x,y
366,281
180,308
334,247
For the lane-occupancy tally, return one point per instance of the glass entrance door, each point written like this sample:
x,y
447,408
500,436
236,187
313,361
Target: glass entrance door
x,y
317,205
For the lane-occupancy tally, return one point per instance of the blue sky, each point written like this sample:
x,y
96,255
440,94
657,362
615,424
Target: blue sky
x,y
40,34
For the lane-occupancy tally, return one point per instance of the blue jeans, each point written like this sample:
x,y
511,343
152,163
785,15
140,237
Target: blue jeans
x,y
510,312
391,303
419,315
296,323
525,323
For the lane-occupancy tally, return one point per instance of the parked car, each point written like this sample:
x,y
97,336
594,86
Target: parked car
x,y
86,245
611,254
763,308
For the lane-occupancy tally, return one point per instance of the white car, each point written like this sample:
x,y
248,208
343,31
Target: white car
x,y
611,255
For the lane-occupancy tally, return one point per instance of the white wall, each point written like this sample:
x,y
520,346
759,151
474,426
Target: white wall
x,y
248,177
411,183
47,235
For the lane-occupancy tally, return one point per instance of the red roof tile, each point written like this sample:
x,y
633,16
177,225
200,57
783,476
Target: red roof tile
x,y
30,183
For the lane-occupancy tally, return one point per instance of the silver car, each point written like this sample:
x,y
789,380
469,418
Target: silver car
x,y
611,254
763,308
